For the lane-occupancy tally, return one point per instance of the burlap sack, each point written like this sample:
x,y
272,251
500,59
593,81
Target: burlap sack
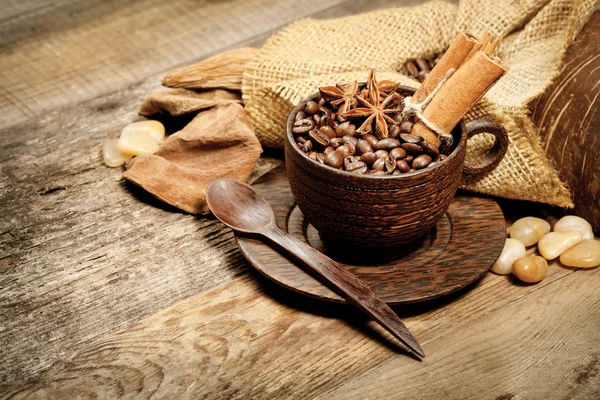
x,y
311,53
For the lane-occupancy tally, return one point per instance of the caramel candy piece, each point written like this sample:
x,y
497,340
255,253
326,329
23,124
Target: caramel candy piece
x,y
529,230
512,251
531,269
585,254
554,244
136,143
154,129
112,156
574,223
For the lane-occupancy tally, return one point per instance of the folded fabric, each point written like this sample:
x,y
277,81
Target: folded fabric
x,y
217,143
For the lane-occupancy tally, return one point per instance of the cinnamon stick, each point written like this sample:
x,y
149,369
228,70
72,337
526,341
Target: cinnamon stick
x,y
464,88
455,55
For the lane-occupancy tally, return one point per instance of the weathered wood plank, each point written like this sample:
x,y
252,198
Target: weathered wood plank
x,y
251,339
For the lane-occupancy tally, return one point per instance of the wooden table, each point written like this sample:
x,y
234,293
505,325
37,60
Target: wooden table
x,y
106,293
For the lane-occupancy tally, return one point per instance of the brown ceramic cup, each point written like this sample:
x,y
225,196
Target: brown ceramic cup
x,y
383,211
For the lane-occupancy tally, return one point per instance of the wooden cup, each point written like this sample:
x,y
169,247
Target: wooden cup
x,y
383,211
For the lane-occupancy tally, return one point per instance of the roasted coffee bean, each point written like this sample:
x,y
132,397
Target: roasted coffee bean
x,y
379,164
412,170
302,126
350,160
398,153
386,144
300,115
313,155
300,139
376,172
334,159
347,149
408,138
422,75
321,102
327,130
317,119
393,131
409,159
363,146
441,157
422,64
396,172
358,167
397,118
431,149
412,68
335,142
325,116
321,158
306,146
370,138
406,127
368,158
328,150
311,107
421,161
411,148
345,128
350,139
332,121
390,164
318,138
381,154
402,165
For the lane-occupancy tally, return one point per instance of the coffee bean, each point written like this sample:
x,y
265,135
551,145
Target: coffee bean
x,y
306,146
303,126
370,138
441,157
335,142
328,131
299,115
381,154
409,159
345,128
406,127
422,64
317,119
421,161
411,148
334,159
350,160
350,139
363,146
328,150
321,158
376,172
422,75
321,102
325,116
311,107
402,165
390,164
368,158
386,144
396,172
393,131
319,138
347,149
398,153
379,164
397,118
412,170
300,140
431,149
313,155
358,167
412,68
408,138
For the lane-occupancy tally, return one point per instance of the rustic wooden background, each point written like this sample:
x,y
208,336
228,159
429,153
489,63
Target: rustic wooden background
x,y
106,293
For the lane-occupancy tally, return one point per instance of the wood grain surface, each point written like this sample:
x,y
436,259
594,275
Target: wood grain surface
x,y
106,293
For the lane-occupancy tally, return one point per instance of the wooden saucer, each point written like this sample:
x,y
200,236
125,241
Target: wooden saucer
x,y
457,252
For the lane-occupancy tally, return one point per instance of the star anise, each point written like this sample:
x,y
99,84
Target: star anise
x,y
374,109
344,97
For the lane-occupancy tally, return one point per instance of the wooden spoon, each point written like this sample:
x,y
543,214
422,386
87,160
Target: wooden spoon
x,y
238,206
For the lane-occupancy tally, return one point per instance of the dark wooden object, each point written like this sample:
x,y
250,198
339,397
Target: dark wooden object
x,y
382,211
238,206
457,252
568,118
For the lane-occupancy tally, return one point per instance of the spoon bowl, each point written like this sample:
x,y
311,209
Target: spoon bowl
x,y
238,206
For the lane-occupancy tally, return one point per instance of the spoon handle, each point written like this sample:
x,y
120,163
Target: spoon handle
x,y
346,284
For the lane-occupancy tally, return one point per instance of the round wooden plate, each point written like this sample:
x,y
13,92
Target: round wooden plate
x,y
457,252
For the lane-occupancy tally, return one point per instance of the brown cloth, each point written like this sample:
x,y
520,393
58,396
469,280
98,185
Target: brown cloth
x,y
217,143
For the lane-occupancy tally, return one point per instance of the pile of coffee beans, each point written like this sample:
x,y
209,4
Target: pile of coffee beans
x,y
319,133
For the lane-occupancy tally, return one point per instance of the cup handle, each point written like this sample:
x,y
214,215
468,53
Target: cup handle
x,y
493,157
